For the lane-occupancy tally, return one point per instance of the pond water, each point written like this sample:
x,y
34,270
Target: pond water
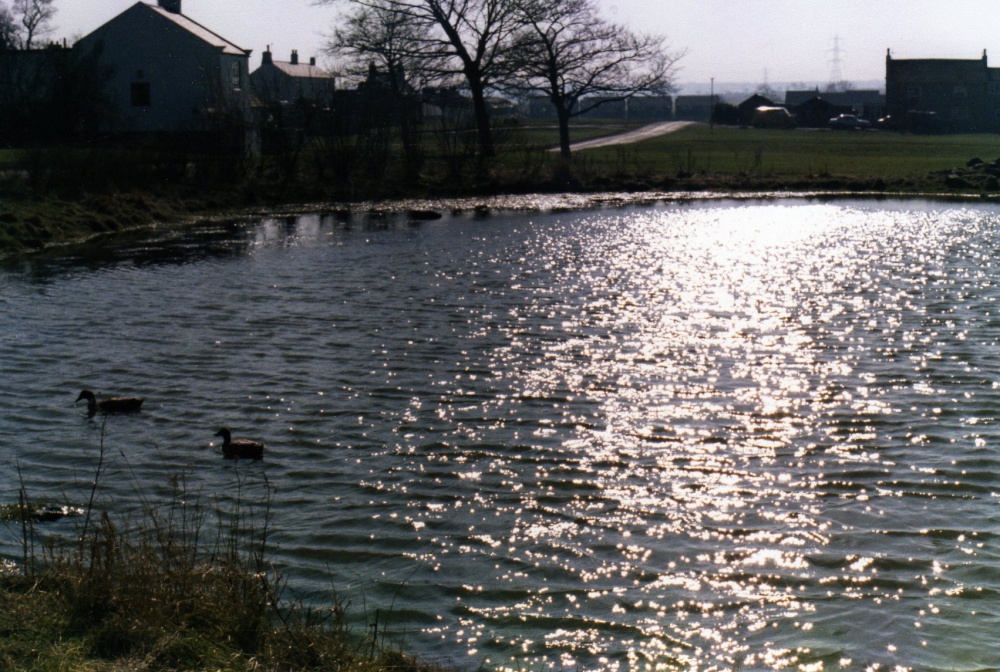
x,y
704,436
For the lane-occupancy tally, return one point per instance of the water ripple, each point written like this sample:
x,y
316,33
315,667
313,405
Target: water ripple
x,y
705,436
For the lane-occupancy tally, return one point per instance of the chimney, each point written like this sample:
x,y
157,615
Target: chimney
x,y
172,6
312,61
295,57
265,58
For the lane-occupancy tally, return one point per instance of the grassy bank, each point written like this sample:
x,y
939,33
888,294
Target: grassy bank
x,y
165,586
799,155
59,195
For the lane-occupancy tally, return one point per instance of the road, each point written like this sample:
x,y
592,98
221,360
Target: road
x,y
639,134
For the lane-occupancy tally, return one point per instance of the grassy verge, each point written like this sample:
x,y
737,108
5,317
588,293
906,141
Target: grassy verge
x,y
730,151
168,586
54,196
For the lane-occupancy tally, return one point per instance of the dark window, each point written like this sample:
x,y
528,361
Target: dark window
x,y
140,94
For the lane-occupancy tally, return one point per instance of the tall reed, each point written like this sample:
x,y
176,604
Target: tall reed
x,y
172,585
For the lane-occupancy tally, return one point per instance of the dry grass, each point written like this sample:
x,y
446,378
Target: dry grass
x,y
172,586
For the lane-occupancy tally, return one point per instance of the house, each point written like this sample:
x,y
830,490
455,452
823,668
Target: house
x,y
169,73
867,103
291,81
445,104
741,114
962,95
748,107
816,112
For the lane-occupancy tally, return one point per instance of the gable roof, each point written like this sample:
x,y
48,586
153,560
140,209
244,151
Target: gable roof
x,y
199,31
851,97
187,24
302,70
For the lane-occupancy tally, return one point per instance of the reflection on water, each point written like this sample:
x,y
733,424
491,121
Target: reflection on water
x,y
673,437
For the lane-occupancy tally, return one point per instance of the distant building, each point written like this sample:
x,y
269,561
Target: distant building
x,y
816,112
638,108
291,81
963,95
611,109
541,107
444,104
866,103
694,108
168,72
650,108
749,106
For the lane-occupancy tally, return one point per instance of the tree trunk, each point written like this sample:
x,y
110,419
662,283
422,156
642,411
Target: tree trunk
x,y
485,133
563,115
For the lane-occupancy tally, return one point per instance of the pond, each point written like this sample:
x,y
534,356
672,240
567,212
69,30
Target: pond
x,y
707,435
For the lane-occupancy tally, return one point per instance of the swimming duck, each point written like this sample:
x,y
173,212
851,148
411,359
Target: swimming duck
x,y
241,449
110,405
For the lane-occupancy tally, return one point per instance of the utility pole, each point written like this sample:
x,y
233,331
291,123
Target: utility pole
x,y
711,107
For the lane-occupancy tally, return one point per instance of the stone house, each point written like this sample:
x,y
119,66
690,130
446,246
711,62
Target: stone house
x,y
963,95
291,81
169,73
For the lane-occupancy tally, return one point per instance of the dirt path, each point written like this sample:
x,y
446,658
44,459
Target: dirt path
x,y
639,134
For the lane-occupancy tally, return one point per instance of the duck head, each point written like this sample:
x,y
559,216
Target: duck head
x,y
91,401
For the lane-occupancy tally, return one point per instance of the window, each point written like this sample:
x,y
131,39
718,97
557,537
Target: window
x,y
913,92
961,92
140,94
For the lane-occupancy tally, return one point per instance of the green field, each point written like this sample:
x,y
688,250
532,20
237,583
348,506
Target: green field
x,y
796,154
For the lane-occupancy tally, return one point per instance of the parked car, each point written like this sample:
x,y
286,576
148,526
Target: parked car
x,y
849,122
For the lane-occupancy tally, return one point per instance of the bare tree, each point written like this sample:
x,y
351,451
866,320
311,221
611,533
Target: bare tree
x,y
375,38
375,33
34,17
461,37
568,53
8,30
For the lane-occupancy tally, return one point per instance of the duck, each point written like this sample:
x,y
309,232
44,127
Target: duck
x,y
241,449
110,405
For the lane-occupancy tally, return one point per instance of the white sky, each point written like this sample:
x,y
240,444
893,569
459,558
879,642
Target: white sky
x,y
730,40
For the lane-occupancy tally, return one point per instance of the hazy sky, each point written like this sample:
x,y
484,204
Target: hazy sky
x,y
730,40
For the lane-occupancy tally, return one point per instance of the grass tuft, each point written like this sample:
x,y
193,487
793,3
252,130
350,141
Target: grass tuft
x,y
171,586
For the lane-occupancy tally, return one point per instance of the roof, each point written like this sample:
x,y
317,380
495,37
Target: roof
x,y
185,23
849,97
302,70
199,31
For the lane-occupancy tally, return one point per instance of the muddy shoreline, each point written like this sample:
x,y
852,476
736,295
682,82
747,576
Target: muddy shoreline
x,y
30,226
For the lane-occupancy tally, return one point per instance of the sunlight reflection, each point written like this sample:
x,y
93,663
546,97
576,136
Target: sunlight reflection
x,y
701,352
